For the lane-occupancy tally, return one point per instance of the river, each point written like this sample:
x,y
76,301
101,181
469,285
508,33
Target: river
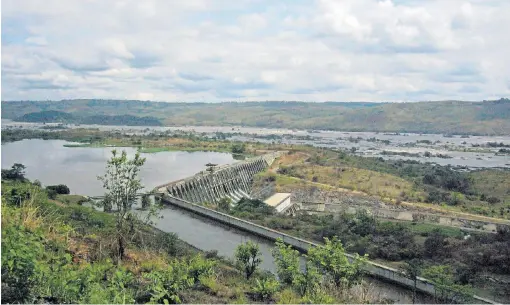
x,y
51,163
374,144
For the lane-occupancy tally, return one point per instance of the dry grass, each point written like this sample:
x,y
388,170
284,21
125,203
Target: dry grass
x,y
356,179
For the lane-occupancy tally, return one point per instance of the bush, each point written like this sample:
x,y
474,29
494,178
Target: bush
x,y
52,194
212,254
60,189
248,257
238,148
17,172
20,268
201,267
17,195
493,200
253,206
167,242
435,244
265,289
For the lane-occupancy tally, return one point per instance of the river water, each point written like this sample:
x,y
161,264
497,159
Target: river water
x,y
51,163
366,143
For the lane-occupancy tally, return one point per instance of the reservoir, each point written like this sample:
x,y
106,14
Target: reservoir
x,y
51,163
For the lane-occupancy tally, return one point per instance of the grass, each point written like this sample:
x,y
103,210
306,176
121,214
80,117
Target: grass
x,y
424,229
357,179
492,183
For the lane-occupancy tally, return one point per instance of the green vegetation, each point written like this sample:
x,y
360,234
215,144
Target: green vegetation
x,y
287,262
152,143
55,253
331,260
397,242
483,118
60,189
54,116
16,172
248,257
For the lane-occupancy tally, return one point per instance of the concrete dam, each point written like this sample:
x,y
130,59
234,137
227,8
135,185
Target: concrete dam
x,y
231,181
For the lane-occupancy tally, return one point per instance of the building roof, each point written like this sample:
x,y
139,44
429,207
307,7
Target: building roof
x,y
276,199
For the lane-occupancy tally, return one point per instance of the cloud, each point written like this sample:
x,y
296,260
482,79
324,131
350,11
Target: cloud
x,y
214,50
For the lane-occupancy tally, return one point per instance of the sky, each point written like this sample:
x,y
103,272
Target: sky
x,y
256,50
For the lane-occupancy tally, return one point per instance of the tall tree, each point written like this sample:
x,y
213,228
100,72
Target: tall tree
x,y
121,184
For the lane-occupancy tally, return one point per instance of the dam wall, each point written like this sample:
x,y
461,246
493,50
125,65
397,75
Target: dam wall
x,y
231,181
373,269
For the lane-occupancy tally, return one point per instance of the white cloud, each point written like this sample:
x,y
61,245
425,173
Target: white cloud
x,y
214,50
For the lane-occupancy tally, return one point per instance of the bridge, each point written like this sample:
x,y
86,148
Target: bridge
x,y
232,181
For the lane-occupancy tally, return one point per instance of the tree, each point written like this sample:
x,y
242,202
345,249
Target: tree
x,y
287,262
332,260
308,282
412,270
121,183
444,282
59,189
248,257
238,148
435,244
17,172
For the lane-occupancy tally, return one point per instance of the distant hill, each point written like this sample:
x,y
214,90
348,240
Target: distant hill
x,y
49,116
452,117
53,116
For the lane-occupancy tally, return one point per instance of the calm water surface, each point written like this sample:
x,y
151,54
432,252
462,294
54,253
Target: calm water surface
x,y
51,163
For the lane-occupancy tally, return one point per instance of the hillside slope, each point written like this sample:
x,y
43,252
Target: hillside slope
x,y
483,118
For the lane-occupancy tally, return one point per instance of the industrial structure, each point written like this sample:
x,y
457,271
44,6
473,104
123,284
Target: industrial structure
x,y
233,181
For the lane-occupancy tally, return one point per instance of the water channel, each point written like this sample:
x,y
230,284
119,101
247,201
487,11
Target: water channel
x,y
51,163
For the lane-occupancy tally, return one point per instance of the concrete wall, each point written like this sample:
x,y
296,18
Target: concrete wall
x,y
374,269
283,205
231,181
446,220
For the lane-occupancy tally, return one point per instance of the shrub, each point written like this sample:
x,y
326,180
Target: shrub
x,y
248,257
200,267
265,288
20,268
493,200
287,262
61,189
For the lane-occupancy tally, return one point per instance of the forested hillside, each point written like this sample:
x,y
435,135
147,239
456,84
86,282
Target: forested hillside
x,y
483,118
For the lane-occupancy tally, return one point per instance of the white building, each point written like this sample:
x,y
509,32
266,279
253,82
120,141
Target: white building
x,y
279,201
